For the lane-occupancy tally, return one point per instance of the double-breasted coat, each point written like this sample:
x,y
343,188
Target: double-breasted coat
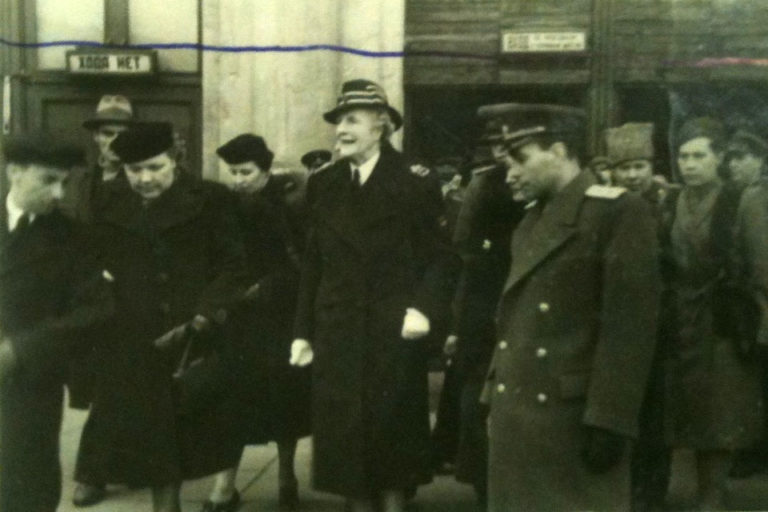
x,y
576,333
52,295
178,256
371,253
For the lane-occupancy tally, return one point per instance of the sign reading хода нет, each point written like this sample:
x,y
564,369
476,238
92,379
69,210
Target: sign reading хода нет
x,y
531,42
112,62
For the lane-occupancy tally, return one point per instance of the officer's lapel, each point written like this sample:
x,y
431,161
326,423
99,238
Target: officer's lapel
x,y
536,240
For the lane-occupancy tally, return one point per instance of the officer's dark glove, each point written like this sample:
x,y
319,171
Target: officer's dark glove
x,y
603,450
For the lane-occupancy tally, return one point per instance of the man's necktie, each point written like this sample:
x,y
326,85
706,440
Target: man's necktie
x,y
355,179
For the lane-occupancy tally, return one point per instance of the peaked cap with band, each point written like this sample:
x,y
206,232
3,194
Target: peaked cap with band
x,y
361,93
515,123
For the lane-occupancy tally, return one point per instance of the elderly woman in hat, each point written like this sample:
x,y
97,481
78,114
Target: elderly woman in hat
x,y
172,244
713,401
274,396
370,293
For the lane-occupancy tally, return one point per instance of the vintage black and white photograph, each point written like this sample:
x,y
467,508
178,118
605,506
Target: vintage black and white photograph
x,y
384,255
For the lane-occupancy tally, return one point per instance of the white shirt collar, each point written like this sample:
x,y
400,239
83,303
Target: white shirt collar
x,y
366,168
14,213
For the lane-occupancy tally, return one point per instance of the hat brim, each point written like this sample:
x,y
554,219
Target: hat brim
x,y
332,115
92,124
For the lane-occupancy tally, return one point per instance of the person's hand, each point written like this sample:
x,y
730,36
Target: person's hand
x,y
7,359
301,353
252,292
603,450
451,345
415,324
173,337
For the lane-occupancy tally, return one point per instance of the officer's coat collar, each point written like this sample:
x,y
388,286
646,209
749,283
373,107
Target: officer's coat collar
x,y
535,239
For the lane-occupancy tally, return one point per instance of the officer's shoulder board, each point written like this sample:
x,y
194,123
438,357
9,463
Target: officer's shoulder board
x,y
482,170
323,167
605,192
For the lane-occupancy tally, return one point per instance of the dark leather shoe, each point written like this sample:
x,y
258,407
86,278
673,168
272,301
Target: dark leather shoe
x,y
228,506
288,497
87,495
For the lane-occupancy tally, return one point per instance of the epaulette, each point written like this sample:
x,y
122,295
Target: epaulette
x,y
483,170
420,170
289,186
605,192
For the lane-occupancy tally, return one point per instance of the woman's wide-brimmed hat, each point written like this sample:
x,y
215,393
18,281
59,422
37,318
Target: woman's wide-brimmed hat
x,y
361,93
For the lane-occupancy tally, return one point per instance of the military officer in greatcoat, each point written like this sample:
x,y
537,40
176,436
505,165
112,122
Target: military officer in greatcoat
x,y
52,293
576,326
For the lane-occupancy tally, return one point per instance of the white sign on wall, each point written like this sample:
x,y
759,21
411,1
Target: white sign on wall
x,y
532,42
111,62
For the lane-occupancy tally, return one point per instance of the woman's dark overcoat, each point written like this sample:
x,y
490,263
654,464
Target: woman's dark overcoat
x,y
276,395
179,256
371,253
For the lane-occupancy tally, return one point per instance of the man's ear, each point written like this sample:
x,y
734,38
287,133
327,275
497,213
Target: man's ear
x,y
559,149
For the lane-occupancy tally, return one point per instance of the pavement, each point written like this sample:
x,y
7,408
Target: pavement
x,y
256,480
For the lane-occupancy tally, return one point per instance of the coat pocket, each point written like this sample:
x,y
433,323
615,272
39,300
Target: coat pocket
x,y
573,385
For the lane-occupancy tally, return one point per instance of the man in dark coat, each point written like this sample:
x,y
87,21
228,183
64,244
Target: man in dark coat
x,y
484,228
576,326
174,248
629,149
85,197
375,276
51,293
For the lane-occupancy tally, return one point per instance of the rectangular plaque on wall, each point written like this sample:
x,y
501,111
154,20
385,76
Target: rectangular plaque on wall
x,y
543,42
107,61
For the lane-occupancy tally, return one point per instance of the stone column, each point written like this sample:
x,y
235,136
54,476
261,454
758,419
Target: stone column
x,y
282,96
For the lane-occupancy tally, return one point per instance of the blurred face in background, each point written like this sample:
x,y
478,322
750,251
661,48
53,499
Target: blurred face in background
x,y
153,176
36,188
358,134
246,177
635,175
745,167
103,135
698,162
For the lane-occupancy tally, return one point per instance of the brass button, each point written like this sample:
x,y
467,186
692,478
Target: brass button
x,y
542,398
503,345
162,277
165,308
544,307
486,244
541,352
501,388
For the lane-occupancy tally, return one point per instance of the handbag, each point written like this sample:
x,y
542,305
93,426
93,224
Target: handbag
x,y
200,379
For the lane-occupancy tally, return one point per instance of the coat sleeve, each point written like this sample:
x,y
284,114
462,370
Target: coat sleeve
x,y
440,265
629,309
752,252
311,272
89,304
227,273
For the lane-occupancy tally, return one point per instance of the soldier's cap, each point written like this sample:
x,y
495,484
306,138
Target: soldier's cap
x,y
362,93
247,147
43,149
316,158
112,109
701,127
142,141
517,123
743,141
630,141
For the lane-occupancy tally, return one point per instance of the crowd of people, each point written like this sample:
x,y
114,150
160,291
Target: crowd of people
x,y
596,315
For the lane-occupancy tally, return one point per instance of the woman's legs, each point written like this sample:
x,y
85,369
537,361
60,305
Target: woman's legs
x,y
712,467
166,498
286,476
